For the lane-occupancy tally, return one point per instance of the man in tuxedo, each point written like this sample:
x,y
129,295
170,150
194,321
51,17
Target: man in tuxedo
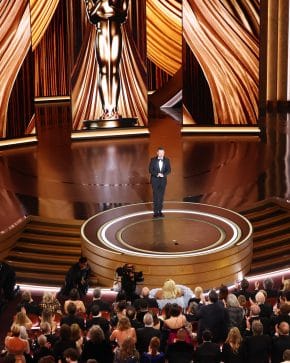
x,y
159,168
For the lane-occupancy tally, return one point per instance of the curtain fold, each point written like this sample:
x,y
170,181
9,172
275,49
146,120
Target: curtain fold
x,y
223,37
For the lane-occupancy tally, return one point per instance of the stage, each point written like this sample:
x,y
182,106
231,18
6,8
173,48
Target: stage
x,y
195,244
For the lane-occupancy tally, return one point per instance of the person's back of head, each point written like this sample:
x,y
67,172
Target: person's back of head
x,y
286,354
65,332
145,292
95,310
255,309
223,292
207,336
45,327
198,291
175,310
131,312
143,305
283,328
70,355
286,295
260,298
148,320
257,328
244,284
268,284
74,294
181,335
232,301
97,293
154,345
213,296
26,296
42,340
71,309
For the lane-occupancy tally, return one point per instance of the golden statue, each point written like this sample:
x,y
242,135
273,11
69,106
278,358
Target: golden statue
x,y
108,16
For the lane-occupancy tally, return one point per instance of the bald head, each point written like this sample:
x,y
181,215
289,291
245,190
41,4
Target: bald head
x,y
255,309
145,291
283,328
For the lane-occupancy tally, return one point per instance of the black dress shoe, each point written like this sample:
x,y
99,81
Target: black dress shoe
x,y
155,215
160,214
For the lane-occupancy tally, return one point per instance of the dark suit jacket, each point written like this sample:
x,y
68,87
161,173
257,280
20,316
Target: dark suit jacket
x,y
279,344
73,319
144,336
257,349
154,167
208,352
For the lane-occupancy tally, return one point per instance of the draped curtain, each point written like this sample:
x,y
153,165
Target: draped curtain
x,y
224,37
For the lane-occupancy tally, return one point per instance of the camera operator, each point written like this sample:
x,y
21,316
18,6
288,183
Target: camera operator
x,y
128,279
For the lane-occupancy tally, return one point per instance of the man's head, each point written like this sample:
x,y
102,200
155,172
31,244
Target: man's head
x,y
283,328
95,310
213,296
255,310
257,328
83,262
206,336
71,308
148,319
97,293
286,354
145,291
160,152
181,334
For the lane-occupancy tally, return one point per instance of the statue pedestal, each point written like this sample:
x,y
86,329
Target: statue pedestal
x,y
124,122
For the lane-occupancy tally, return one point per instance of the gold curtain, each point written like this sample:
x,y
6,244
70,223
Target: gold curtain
x,y
42,12
15,42
222,35
164,30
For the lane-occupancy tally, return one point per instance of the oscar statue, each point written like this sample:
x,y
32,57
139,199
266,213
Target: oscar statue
x,y
108,17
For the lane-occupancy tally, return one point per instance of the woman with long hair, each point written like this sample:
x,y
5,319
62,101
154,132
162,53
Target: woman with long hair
x,y
48,317
22,319
127,352
169,291
50,302
123,331
232,350
153,355
74,297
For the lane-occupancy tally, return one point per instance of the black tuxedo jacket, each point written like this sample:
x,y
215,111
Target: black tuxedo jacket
x,y
154,167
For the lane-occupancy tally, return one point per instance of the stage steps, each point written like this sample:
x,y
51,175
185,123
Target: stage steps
x,y
45,250
271,223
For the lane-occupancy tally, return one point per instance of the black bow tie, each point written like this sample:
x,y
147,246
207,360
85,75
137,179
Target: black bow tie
x,y
160,159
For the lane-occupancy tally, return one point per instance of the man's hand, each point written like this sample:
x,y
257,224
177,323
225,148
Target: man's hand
x,y
160,175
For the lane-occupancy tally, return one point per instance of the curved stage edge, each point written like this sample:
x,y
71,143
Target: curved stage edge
x,y
194,244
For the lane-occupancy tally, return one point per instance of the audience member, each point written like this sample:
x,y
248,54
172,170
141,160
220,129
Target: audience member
x,y
153,355
145,334
77,337
280,342
151,302
254,316
223,294
64,342
168,291
50,302
71,355
131,315
268,285
97,300
28,304
266,308
286,356
96,347
213,317
143,309
97,319
257,348
77,277
22,319
48,317
242,288
123,331
244,304
207,352
127,353
43,348
8,281
51,337
72,317
198,295
74,297
15,345
180,351
235,312
119,312
232,350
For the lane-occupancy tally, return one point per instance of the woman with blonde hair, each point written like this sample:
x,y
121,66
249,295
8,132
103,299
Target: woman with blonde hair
x,y
232,350
48,317
77,337
16,345
168,291
235,311
123,331
50,302
22,319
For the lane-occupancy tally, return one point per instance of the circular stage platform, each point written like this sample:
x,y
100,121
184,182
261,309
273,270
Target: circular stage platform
x,y
195,244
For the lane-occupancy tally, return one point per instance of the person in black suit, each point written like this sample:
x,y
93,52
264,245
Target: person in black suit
x,y
207,352
145,334
159,168
280,342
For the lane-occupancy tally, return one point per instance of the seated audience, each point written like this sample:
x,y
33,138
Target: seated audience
x,y
22,319
74,297
15,345
180,351
169,291
207,352
97,300
232,349
72,317
235,312
127,353
280,342
50,302
257,348
96,347
153,355
213,317
151,302
43,348
97,319
64,342
123,331
28,304
144,335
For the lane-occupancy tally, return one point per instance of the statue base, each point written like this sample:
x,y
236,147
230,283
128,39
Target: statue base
x,y
123,122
